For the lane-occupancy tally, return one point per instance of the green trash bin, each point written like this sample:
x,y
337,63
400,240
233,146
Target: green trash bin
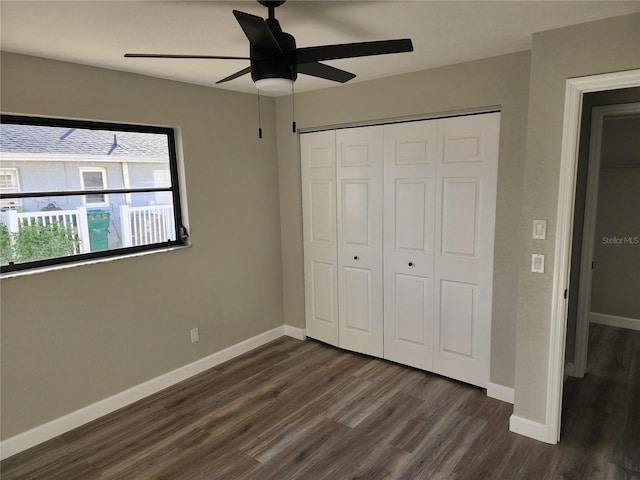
x,y
98,221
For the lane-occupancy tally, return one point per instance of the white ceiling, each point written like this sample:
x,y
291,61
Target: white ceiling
x,y
443,32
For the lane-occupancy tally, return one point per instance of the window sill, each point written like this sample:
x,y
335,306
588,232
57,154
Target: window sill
x,y
83,263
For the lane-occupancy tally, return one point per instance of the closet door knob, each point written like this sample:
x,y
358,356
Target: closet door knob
x,y
411,264
355,258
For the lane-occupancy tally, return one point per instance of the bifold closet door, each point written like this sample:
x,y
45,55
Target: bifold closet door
x,y
465,223
318,169
359,168
432,185
409,211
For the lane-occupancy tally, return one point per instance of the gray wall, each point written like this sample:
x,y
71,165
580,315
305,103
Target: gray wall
x,y
500,81
75,336
616,276
557,55
244,273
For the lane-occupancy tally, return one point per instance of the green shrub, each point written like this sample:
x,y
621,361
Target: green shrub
x,y
38,241
5,245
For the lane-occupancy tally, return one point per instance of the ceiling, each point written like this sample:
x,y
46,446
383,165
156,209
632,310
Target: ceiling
x,y
443,32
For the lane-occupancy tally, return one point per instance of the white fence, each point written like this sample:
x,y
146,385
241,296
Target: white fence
x,y
76,220
145,225
139,225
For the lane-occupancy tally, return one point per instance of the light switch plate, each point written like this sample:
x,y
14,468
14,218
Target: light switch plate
x,y
537,263
540,229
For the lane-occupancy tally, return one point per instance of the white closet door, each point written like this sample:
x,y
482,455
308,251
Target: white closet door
x,y
465,222
359,201
409,210
318,170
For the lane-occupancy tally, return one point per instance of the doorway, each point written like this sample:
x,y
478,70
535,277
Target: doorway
x,y
575,91
603,323
605,264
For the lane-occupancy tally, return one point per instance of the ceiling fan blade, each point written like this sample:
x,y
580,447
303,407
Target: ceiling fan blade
x,y
258,33
242,72
321,70
166,55
350,50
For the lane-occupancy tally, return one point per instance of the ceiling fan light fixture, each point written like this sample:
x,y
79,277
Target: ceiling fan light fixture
x,y
275,61
274,84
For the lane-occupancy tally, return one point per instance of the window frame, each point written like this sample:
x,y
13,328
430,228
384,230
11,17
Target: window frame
x,y
181,234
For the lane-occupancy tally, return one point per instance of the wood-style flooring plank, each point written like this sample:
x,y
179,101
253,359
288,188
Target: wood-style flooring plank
x,y
628,444
303,410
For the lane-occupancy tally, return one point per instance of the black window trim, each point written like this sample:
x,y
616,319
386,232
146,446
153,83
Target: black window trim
x,y
180,230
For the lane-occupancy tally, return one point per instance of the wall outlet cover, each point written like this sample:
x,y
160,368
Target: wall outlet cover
x,y
540,229
195,335
537,263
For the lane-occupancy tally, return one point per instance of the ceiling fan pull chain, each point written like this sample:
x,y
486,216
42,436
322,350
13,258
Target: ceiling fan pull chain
x,y
293,109
259,117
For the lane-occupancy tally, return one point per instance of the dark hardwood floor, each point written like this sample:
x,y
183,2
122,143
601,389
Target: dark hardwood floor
x,y
303,410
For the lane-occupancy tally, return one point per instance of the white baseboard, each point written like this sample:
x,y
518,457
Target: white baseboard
x,y
615,321
500,392
529,428
68,422
295,332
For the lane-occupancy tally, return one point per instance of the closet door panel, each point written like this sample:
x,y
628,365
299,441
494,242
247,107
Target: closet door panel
x,y
359,212
322,217
465,223
412,214
322,289
409,208
357,295
460,222
318,169
412,302
458,307
356,215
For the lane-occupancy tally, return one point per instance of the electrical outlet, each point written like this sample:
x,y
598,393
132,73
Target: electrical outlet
x,y
195,335
537,263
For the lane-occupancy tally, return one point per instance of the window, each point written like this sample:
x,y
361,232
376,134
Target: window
x,y
85,190
94,179
9,184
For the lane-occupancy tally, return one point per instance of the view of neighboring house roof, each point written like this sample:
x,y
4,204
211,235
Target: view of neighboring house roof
x,y
39,140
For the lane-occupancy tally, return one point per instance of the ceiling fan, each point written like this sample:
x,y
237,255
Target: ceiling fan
x,y
275,60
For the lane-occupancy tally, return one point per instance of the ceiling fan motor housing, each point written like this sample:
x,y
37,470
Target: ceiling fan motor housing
x,y
272,4
267,66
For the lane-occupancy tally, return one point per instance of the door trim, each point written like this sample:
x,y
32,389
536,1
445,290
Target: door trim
x,y
574,92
